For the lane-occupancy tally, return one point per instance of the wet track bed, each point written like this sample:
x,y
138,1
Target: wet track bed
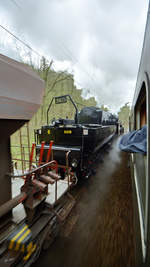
x,y
99,231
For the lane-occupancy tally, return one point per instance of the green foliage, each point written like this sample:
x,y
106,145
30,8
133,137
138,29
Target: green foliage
x,y
123,115
56,84
104,108
45,67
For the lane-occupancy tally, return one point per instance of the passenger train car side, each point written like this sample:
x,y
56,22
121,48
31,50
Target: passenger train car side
x,y
140,163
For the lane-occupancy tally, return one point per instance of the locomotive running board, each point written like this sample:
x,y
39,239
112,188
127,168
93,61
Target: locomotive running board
x,y
60,148
67,206
106,140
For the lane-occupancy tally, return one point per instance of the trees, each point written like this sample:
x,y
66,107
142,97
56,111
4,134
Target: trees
x,y
56,84
102,107
123,115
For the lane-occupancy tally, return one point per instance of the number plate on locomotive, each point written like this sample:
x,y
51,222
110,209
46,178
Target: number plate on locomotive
x,y
67,132
60,99
85,131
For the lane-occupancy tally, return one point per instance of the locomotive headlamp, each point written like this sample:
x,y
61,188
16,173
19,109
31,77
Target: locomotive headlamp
x,y
74,163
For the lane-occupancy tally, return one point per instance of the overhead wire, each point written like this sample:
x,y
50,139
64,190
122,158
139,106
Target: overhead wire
x,y
77,61
82,69
15,3
68,53
18,39
73,59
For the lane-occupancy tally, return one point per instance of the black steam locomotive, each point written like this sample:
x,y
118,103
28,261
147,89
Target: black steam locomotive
x,y
83,136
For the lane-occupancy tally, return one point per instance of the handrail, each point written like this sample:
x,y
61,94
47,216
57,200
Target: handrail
x,y
67,164
76,115
47,164
33,171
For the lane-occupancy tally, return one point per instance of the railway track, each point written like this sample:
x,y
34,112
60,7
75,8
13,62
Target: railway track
x,y
99,231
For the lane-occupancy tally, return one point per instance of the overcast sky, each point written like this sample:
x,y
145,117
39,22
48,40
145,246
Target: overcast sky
x,y
100,41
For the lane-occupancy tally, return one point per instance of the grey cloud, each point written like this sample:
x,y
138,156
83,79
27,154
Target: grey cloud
x,y
101,38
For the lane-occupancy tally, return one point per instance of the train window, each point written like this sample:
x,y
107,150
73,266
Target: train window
x,y
143,113
140,109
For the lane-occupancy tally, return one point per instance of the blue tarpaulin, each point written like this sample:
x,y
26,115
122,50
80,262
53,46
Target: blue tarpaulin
x,y
135,141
